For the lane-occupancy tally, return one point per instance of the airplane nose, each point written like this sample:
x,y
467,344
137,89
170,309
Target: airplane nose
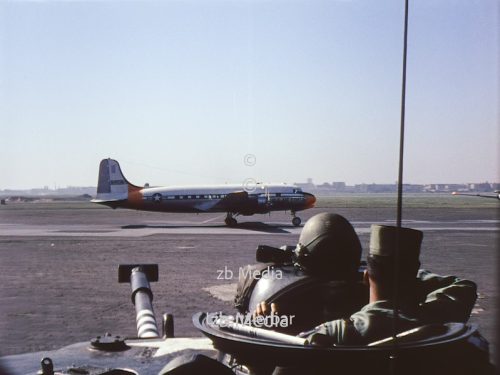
x,y
310,200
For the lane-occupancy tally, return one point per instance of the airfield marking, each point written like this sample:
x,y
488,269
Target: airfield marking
x,y
195,228
110,231
212,219
223,292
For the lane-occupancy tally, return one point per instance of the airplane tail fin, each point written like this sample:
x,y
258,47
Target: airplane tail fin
x,y
112,185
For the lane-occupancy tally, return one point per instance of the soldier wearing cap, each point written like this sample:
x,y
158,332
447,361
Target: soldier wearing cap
x,y
422,298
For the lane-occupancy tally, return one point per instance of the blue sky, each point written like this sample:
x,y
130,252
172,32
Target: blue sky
x,y
180,91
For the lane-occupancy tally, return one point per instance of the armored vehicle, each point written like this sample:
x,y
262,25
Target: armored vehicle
x,y
234,347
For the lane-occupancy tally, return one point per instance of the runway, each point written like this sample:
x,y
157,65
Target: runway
x,y
215,226
58,264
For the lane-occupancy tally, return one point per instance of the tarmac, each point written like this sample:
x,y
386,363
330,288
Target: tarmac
x,y
58,263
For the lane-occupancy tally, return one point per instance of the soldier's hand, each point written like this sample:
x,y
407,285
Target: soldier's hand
x,y
264,309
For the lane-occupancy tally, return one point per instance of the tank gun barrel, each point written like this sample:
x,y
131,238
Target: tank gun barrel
x,y
139,276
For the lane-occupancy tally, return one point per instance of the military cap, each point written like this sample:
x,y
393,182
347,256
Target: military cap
x,y
383,243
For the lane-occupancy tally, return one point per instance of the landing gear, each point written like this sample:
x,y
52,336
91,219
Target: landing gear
x,y
230,220
296,220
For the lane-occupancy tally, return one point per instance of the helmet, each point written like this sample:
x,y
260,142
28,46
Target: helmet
x,y
328,247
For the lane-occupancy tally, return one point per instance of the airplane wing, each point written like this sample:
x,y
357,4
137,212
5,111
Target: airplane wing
x,y
206,206
477,195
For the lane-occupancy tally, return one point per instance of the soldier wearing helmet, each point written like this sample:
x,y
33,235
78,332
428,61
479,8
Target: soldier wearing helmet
x,y
329,248
401,297
324,282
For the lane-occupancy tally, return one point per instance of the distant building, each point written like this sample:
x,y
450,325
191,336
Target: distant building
x,y
324,185
306,185
481,187
323,189
382,188
338,186
413,188
442,188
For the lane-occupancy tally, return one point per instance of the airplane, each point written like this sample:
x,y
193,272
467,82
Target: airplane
x,y
113,190
496,196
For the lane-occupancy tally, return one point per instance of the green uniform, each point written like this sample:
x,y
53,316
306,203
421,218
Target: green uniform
x,y
447,298
442,299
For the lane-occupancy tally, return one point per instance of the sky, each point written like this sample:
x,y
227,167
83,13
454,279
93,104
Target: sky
x,y
183,92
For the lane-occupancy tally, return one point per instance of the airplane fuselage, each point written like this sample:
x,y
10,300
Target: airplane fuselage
x,y
224,198
115,191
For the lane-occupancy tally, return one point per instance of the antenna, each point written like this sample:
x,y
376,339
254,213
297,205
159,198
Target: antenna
x,y
400,194
402,127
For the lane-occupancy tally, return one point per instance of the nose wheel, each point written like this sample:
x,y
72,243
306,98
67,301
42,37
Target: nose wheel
x,y
230,220
296,221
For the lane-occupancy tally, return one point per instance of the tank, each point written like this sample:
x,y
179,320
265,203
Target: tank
x,y
229,346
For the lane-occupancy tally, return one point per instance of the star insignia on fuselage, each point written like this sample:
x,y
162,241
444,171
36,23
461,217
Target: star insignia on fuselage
x,y
157,197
